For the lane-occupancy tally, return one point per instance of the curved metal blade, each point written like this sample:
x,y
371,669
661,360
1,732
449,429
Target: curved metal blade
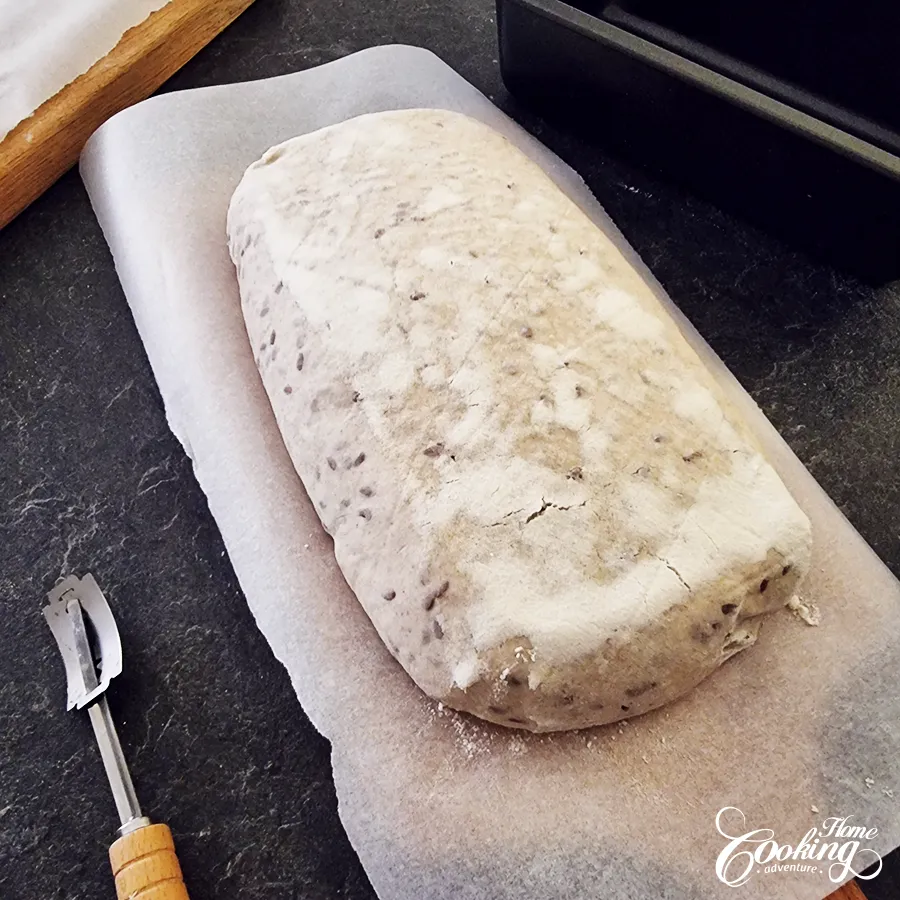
x,y
73,597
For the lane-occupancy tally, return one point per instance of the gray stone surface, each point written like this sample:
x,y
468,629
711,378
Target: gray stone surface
x,y
90,478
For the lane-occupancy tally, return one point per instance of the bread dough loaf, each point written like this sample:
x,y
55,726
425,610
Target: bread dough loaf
x,y
535,487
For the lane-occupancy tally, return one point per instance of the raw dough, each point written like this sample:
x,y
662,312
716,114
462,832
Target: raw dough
x,y
535,488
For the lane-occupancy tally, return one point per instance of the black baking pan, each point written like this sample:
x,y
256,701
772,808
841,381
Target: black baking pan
x,y
786,113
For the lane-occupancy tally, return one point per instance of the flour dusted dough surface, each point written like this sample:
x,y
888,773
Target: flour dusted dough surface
x,y
535,488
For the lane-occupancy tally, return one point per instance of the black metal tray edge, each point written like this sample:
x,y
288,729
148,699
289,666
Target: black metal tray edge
x,y
706,79
841,116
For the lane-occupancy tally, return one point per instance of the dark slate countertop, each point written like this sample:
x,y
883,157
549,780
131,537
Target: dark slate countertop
x,y
91,478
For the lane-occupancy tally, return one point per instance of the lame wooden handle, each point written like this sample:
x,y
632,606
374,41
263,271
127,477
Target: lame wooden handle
x,y
145,865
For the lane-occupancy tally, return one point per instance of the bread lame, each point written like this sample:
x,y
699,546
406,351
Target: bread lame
x,y
143,858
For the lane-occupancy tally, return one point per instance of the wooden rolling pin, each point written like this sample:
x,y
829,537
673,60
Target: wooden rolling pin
x,y
45,145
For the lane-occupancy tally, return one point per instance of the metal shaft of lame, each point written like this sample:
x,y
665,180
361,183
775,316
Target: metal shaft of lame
x,y
114,762
104,729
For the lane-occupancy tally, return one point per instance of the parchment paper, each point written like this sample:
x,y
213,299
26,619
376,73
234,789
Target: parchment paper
x,y
438,805
45,44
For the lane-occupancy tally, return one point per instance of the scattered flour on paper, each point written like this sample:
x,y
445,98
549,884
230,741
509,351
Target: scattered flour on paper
x,y
517,745
473,738
806,612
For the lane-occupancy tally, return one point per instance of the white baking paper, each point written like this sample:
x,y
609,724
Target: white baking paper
x,y
45,44
438,805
